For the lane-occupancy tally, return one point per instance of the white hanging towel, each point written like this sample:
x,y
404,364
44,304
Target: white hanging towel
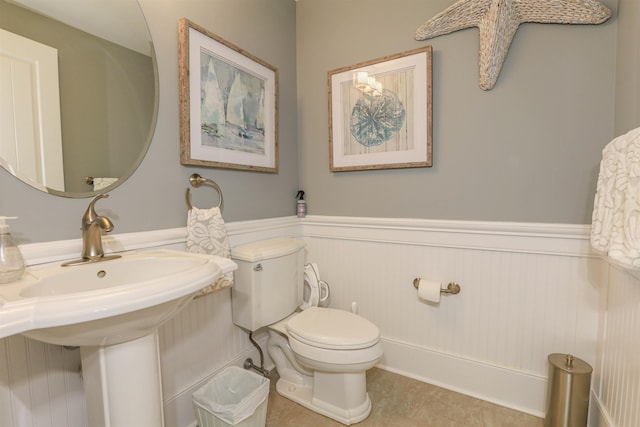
x,y
103,182
207,234
615,225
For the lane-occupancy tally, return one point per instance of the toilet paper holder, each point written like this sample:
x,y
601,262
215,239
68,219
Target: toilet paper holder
x,y
452,288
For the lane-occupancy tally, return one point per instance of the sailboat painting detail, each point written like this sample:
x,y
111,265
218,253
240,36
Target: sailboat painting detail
x,y
232,106
228,104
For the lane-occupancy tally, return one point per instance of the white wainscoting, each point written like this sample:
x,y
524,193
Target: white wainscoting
x,y
616,383
527,290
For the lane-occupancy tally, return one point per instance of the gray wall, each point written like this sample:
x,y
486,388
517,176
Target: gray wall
x,y
526,151
628,67
153,198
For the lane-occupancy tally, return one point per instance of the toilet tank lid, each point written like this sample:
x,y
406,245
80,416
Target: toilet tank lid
x,y
266,249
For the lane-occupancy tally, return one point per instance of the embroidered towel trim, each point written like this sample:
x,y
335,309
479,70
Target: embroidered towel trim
x,y
615,225
207,234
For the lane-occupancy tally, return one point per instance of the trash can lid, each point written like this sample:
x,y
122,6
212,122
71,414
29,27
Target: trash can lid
x,y
570,363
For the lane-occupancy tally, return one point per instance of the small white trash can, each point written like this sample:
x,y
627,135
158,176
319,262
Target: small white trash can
x,y
234,397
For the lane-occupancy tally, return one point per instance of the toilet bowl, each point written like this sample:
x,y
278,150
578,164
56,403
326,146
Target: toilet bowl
x,y
321,354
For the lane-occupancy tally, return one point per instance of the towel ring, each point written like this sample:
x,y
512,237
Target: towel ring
x,y
196,180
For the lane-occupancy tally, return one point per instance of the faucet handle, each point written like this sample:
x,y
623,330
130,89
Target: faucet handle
x,y
90,214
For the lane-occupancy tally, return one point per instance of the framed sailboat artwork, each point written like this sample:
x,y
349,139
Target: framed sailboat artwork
x,y
228,104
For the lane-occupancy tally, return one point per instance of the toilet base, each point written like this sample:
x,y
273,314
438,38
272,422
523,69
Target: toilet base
x,y
303,395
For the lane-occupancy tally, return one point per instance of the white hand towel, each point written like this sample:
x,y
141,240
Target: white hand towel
x,y
100,183
207,234
615,228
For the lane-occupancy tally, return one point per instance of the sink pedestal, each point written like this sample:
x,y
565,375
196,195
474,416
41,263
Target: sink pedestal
x,y
122,383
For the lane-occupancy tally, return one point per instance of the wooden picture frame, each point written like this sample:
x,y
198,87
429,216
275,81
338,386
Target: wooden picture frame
x,y
380,113
228,104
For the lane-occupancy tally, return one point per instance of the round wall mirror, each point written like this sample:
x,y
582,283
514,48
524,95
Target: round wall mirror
x,y
78,93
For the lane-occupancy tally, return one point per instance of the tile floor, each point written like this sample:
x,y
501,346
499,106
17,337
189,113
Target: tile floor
x,y
403,402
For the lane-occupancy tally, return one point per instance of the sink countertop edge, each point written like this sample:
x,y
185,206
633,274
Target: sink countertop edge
x,y
21,315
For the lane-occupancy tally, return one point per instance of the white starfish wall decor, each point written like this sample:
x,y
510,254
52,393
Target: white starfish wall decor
x,y
498,21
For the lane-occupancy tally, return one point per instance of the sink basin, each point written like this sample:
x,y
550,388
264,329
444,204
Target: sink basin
x,y
108,302
127,271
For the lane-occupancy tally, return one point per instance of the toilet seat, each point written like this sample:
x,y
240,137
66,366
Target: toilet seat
x,y
332,360
332,329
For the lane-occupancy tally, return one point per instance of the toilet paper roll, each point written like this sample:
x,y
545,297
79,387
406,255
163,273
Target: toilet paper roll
x,y
429,290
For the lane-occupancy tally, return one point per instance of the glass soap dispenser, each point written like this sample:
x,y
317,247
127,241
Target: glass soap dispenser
x,y
11,262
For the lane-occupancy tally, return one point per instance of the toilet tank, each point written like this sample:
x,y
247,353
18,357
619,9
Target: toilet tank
x,y
268,282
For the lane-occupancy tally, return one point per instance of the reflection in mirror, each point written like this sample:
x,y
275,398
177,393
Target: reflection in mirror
x,y
96,117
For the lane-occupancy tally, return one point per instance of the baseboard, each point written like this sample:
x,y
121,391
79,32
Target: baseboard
x,y
598,414
510,388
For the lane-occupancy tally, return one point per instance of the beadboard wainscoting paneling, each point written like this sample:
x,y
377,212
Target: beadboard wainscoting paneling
x,y
527,290
40,385
616,382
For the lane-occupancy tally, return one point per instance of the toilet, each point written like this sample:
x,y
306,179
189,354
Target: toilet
x,y
321,354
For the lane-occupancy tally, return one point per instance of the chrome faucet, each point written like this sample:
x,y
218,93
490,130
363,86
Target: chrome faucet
x,y
93,225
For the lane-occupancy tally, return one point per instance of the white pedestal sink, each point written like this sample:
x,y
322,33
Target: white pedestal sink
x,y
111,310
